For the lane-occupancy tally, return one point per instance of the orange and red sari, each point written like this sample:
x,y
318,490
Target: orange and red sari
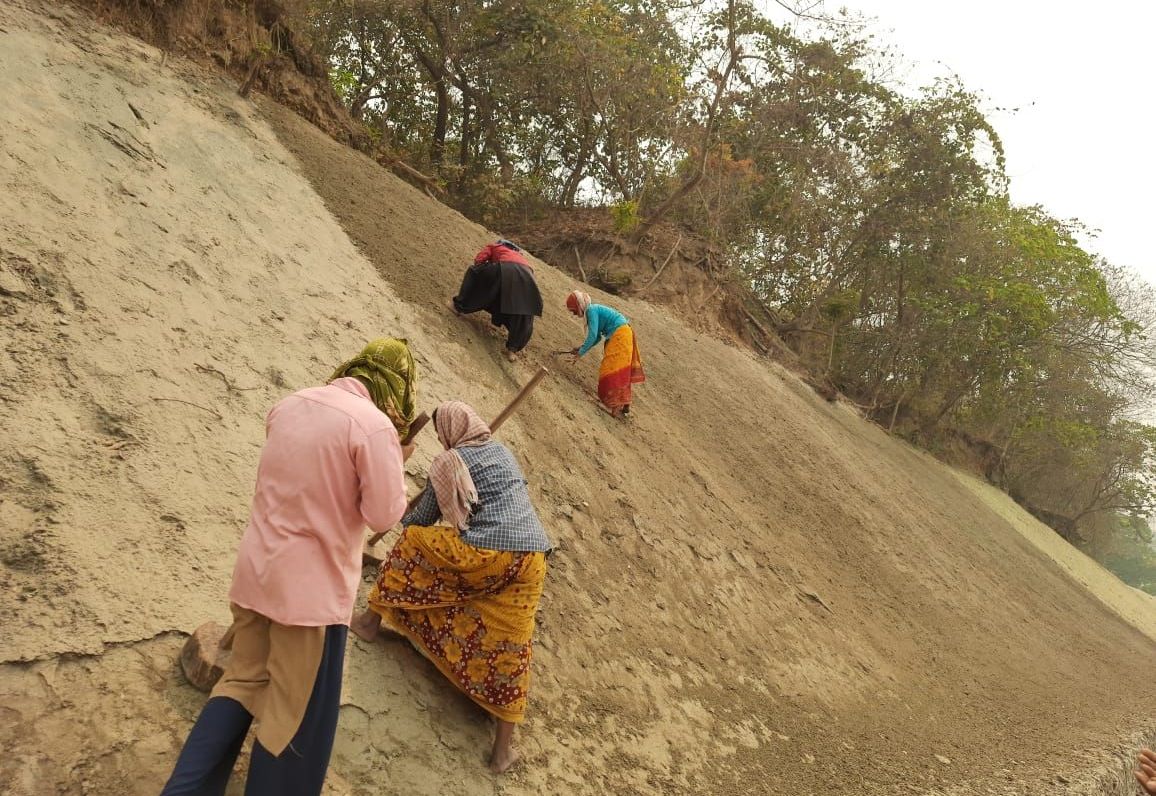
x,y
621,368
470,611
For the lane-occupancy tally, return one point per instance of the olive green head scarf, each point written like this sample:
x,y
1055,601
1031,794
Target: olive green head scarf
x,y
387,369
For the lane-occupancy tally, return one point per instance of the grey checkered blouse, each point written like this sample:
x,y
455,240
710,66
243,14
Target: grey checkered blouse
x,y
504,519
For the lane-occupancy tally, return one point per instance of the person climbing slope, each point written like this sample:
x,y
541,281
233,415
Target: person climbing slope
x,y
621,362
501,282
332,463
465,590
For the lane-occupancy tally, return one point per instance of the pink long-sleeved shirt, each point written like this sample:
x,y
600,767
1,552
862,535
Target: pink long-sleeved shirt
x,y
331,465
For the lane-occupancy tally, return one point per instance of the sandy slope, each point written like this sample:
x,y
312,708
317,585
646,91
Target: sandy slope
x,y
756,592
1137,607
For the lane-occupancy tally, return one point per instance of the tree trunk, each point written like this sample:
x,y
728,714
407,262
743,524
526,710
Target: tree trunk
x,y
437,74
895,411
360,100
948,403
831,350
570,189
467,134
707,137
437,150
505,164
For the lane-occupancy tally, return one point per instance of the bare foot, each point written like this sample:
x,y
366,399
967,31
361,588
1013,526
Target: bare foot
x,y
366,626
512,356
453,309
502,756
602,406
501,762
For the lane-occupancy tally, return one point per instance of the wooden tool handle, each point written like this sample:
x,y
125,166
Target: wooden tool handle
x,y
521,396
417,425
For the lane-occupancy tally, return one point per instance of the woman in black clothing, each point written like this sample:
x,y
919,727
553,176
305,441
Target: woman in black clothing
x,y
501,282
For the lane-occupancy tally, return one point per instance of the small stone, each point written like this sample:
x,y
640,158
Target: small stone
x,y
945,760
12,285
202,659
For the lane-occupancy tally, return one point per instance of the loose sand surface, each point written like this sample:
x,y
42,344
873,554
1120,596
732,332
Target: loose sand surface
x,y
755,591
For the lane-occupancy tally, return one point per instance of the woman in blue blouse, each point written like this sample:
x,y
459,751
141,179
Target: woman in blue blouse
x,y
621,363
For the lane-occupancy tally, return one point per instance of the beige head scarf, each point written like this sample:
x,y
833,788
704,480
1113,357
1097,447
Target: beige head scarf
x,y
458,426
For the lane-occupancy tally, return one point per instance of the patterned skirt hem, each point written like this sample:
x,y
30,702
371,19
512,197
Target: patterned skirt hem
x,y
386,614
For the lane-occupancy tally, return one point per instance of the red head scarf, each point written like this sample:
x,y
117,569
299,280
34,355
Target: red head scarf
x,y
577,302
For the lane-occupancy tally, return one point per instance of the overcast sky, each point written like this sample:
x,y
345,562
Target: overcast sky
x,y
1084,80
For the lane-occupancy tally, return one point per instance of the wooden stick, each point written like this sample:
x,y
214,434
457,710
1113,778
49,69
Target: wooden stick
x,y
213,412
521,396
755,321
578,257
251,78
494,426
773,339
429,182
665,262
417,425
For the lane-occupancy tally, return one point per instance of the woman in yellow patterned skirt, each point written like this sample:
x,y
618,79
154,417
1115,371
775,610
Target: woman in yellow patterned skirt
x,y
621,365
465,591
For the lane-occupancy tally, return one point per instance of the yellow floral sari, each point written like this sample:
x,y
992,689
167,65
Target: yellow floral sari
x,y
470,611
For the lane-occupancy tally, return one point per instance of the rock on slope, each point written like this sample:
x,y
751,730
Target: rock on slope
x,y
755,592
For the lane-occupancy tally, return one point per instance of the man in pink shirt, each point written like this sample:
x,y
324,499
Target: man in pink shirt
x,y
332,464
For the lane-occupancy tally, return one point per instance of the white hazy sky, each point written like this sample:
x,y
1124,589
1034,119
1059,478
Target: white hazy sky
x,y
1083,75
